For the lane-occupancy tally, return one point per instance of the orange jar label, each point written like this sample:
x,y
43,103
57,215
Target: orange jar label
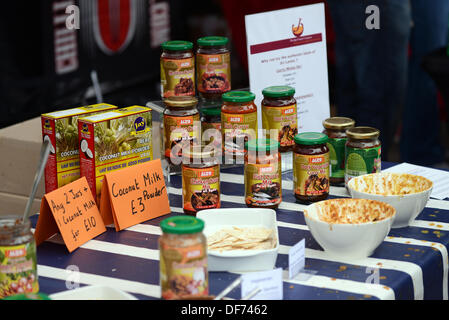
x,y
180,130
177,77
236,130
200,188
283,120
214,72
263,184
311,174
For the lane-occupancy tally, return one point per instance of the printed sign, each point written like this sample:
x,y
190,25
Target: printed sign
x,y
269,282
134,195
72,211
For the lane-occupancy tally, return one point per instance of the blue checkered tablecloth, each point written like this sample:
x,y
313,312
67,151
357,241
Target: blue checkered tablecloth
x,y
411,263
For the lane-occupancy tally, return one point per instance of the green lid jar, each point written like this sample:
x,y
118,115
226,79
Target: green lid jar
x,y
238,96
278,91
213,67
177,69
183,258
311,167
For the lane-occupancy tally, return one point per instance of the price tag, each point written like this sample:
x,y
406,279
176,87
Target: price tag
x,y
134,195
72,211
296,258
270,283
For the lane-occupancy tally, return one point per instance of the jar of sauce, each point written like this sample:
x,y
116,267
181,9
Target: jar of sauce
x,y
279,113
263,175
183,258
238,123
311,167
200,180
182,127
213,60
362,152
177,69
18,263
335,129
211,127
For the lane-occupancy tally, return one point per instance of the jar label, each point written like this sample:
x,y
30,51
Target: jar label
x,y
237,129
263,184
178,77
183,271
361,161
180,131
212,137
18,269
337,157
200,188
311,174
284,120
214,72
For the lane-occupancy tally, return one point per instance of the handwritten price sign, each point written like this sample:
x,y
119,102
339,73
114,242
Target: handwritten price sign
x,y
72,211
134,195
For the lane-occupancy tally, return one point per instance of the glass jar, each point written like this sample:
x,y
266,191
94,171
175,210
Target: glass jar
x,y
238,123
183,258
18,261
213,67
311,167
200,180
177,69
335,129
182,127
362,152
279,113
211,127
263,175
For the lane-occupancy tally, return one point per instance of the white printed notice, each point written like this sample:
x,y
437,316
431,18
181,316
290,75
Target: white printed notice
x,y
288,47
269,282
440,178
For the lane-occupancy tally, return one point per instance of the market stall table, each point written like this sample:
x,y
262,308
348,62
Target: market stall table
x,y
411,263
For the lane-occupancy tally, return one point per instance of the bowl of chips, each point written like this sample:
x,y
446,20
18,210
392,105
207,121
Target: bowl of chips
x,y
240,240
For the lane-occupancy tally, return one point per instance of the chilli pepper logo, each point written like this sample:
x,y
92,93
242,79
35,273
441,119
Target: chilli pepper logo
x,y
299,29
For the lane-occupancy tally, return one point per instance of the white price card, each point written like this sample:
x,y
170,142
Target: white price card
x,y
288,47
296,259
269,282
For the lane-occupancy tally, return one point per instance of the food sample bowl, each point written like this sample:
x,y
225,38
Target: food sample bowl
x,y
349,228
407,193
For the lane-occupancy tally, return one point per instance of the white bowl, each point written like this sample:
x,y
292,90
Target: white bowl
x,y
240,260
96,292
349,240
408,206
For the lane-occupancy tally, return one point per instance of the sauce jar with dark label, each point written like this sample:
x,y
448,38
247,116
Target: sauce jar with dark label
x,y
211,127
311,167
18,261
182,127
200,180
362,152
213,61
335,129
279,113
263,175
238,123
177,69
183,258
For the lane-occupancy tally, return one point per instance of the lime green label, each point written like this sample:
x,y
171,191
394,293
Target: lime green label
x,y
337,157
361,161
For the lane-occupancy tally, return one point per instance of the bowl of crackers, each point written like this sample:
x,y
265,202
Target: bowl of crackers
x,y
240,240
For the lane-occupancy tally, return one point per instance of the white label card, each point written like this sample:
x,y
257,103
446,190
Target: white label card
x,y
296,258
270,283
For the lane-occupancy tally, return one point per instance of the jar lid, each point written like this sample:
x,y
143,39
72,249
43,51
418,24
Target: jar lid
x,y
311,138
338,123
199,153
238,96
181,101
177,45
278,91
212,41
215,111
361,133
182,225
262,145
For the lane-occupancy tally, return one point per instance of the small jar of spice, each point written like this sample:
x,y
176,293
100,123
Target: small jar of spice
x,y
183,258
311,167
263,174
335,129
362,152
177,69
18,262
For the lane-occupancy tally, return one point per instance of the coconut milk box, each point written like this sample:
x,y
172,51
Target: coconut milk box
x,y
60,128
112,141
